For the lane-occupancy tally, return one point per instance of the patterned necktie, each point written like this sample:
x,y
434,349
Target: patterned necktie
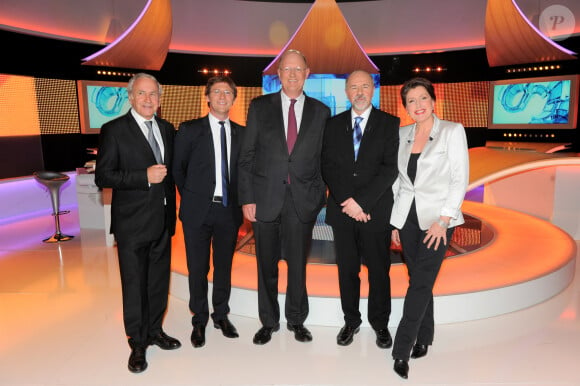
x,y
356,135
292,127
153,142
224,148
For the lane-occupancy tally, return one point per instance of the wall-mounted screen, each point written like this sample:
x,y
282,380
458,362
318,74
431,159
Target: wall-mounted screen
x,y
327,88
101,102
534,103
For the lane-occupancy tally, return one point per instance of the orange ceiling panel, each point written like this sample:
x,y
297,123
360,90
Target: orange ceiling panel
x,y
328,43
511,39
144,45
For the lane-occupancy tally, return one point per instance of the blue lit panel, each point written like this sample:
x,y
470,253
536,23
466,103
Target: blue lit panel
x,y
327,88
532,103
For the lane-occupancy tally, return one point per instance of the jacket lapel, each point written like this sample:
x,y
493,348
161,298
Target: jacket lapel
x,y
235,140
307,115
206,133
137,133
276,100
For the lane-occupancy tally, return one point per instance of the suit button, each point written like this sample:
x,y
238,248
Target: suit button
x,y
354,174
284,182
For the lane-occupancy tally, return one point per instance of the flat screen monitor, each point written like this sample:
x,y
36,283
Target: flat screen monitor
x,y
327,88
534,103
101,102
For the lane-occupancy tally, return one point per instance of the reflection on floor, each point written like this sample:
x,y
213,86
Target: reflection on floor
x,y
61,324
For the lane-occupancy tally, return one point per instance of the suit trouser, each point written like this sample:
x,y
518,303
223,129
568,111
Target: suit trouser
x,y
289,238
221,231
145,270
417,323
351,244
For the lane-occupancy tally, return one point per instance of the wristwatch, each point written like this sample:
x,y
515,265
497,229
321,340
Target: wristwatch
x,y
442,224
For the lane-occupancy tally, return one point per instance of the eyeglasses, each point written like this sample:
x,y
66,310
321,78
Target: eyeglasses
x,y
218,92
287,70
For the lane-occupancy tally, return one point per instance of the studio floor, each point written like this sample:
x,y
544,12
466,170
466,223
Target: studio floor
x,y
61,325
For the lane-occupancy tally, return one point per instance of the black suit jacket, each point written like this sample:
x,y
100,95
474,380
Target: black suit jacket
x,y
369,180
124,155
194,170
265,164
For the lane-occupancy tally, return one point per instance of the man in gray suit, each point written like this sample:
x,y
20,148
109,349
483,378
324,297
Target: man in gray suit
x,y
281,191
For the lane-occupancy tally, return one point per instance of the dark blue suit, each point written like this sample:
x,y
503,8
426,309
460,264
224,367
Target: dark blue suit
x,y
204,221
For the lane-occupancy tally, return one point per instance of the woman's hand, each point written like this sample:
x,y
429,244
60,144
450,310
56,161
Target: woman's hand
x,y
395,239
437,233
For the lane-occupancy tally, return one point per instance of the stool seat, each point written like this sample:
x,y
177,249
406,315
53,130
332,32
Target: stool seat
x,y
53,181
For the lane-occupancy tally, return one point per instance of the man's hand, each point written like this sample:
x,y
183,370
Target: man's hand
x,y
156,173
249,211
352,209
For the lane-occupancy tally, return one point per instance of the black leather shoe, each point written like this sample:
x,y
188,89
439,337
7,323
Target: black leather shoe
x,y
198,335
401,367
137,360
419,350
346,335
301,333
264,334
384,339
165,342
227,328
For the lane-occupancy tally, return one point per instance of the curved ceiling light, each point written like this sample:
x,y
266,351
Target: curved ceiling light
x,y
144,45
328,43
510,38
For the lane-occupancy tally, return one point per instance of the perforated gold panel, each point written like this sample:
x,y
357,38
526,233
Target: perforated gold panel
x,y
58,111
466,103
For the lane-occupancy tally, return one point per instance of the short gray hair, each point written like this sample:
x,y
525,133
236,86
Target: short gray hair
x,y
142,75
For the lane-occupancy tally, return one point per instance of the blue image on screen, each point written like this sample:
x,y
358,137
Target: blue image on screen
x,y
532,103
327,88
106,103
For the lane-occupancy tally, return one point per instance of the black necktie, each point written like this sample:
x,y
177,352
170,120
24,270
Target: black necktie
x,y
153,143
225,178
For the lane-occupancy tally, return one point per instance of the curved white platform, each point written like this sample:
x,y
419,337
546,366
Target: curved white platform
x,y
527,262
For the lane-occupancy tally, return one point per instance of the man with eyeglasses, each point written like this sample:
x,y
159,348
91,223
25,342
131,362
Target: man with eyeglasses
x,y
204,168
134,157
281,191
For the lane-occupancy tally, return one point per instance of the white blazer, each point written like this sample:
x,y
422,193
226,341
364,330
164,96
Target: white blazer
x,y
442,176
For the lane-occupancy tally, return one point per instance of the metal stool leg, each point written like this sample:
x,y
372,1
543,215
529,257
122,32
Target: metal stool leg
x,y
53,181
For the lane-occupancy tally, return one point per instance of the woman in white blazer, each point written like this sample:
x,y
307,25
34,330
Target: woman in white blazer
x,y
433,176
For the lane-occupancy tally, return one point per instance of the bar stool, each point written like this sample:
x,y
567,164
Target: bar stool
x,y
53,181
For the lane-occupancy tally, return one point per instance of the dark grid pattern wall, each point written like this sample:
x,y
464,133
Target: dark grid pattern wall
x,y
58,110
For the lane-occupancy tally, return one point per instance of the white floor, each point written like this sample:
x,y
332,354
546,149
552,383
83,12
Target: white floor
x,y
61,324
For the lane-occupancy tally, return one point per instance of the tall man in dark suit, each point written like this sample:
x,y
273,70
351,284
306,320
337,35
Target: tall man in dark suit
x,y
281,191
359,165
134,157
204,168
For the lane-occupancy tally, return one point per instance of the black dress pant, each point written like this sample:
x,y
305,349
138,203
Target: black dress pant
x,y
145,270
417,323
220,232
352,243
289,238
